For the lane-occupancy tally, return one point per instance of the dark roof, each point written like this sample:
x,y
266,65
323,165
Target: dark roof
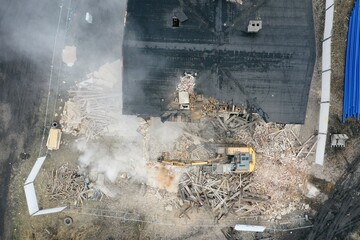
x,y
271,69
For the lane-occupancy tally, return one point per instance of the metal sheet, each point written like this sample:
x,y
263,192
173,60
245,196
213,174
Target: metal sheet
x,y
249,228
326,57
31,199
50,210
35,170
329,15
323,126
324,117
325,86
320,149
329,3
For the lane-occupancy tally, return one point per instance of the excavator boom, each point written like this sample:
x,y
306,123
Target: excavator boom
x,y
185,163
228,160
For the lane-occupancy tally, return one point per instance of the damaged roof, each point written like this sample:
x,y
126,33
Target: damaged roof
x,y
270,70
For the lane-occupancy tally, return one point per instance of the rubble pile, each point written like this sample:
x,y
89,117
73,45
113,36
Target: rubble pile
x,y
93,104
221,193
66,183
95,107
210,105
187,83
276,141
281,168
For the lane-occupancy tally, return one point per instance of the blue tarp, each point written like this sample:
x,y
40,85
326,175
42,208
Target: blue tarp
x,y
352,68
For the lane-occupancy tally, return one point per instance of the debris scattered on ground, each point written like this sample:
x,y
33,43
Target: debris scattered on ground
x,y
281,169
94,103
187,83
312,191
66,183
222,193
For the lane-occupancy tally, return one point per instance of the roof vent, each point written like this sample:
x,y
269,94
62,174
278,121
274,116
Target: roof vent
x,y
254,26
175,22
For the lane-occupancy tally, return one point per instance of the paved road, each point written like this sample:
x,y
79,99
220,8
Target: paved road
x,y
27,30
33,77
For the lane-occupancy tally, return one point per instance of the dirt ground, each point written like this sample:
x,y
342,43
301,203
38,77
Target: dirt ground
x,y
337,160
148,209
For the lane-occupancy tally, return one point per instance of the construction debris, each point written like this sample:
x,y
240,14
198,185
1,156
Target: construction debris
x,y
66,183
187,83
94,103
275,141
279,175
281,171
221,193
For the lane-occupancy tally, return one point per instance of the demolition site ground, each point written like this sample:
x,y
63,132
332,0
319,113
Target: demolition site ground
x,y
106,170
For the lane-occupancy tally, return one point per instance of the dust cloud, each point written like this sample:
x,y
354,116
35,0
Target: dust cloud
x,y
121,150
112,156
128,144
132,146
27,28
5,116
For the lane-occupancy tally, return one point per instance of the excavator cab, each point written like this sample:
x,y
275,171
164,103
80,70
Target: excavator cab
x,y
243,158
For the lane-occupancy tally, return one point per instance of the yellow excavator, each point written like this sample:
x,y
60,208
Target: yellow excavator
x,y
228,160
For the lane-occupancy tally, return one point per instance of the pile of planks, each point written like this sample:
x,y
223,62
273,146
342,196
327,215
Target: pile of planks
x,y
221,193
94,103
275,141
64,183
235,121
96,108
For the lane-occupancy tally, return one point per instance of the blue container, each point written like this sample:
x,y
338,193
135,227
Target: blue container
x,y
351,108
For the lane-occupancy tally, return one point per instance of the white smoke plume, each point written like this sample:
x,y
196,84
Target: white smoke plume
x,y
125,150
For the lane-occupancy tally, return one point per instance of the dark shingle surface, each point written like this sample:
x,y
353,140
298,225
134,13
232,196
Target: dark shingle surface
x,y
272,68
